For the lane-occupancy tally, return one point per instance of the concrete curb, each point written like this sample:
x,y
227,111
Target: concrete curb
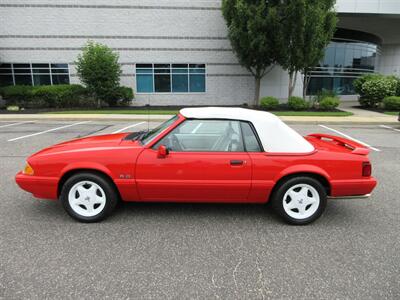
x,y
94,117
355,120
361,120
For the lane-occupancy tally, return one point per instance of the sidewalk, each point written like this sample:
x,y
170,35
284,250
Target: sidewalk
x,y
360,117
351,106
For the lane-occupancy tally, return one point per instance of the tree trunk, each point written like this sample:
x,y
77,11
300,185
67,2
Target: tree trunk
x,y
292,82
98,103
306,84
257,90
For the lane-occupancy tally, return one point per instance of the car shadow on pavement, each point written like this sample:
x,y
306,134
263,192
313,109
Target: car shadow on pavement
x,y
196,211
186,212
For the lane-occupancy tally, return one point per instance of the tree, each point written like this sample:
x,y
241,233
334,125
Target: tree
x,y
255,35
308,27
99,70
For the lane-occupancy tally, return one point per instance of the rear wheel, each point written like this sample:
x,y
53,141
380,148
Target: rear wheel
x,y
88,197
300,200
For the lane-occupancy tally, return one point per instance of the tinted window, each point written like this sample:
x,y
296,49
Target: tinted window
x,y
144,83
344,61
162,83
36,74
6,80
23,79
205,136
41,79
60,79
197,83
250,139
167,78
179,83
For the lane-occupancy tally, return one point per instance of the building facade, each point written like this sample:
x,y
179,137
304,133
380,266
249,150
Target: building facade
x,y
176,52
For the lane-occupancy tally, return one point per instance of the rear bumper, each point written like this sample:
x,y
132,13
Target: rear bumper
x,y
40,187
359,188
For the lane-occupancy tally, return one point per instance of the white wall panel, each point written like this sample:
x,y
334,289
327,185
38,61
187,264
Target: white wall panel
x,y
368,6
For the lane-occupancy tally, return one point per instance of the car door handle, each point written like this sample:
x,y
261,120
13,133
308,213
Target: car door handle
x,y
237,162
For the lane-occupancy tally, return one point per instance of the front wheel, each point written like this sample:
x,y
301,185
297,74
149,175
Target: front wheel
x,y
300,200
88,197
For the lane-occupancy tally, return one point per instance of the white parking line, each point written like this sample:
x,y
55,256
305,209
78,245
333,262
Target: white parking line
x,y
350,138
388,127
46,131
127,127
14,124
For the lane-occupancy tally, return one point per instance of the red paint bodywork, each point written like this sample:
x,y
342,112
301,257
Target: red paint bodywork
x,y
140,175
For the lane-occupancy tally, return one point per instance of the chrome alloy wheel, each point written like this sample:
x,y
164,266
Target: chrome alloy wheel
x,y
87,198
301,201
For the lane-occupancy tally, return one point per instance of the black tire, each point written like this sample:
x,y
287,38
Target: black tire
x,y
111,196
278,199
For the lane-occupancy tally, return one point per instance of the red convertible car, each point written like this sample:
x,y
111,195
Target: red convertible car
x,y
230,155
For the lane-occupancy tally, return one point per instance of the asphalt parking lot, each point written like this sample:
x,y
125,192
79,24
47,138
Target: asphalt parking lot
x,y
174,251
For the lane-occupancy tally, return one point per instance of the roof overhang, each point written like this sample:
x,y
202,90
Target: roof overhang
x,y
384,26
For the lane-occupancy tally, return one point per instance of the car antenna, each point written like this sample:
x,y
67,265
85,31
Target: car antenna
x,y
148,113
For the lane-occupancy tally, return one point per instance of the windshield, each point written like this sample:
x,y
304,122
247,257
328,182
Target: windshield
x,y
150,135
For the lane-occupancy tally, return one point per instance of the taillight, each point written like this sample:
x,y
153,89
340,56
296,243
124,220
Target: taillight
x,y
366,169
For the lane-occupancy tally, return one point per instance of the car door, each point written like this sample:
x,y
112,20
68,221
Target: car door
x,y
206,163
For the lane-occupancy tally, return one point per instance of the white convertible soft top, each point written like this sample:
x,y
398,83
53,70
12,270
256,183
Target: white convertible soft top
x,y
275,135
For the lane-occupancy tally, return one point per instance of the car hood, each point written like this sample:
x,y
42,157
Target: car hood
x,y
99,142
109,139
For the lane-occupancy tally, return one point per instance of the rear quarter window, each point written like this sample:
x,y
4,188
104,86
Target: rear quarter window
x,y
250,139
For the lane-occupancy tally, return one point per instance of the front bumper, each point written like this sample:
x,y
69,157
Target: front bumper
x,y
358,188
39,186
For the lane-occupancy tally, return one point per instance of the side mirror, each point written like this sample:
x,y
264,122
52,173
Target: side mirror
x,y
162,151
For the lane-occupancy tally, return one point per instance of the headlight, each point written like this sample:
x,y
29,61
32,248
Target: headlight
x,y
28,170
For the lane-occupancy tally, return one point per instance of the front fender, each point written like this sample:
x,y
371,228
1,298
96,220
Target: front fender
x,y
125,186
86,165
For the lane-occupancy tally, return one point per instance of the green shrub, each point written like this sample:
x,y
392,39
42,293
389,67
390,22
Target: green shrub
x,y
269,103
375,90
51,96
60,96
397,79
358,83
15,93
20,95
63,95
392,103
297,103
121,96
329,103
324,94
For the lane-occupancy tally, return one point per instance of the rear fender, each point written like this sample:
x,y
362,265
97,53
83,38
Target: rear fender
x,y
303,168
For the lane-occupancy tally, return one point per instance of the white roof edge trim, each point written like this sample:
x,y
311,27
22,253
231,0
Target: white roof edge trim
x,y
275,135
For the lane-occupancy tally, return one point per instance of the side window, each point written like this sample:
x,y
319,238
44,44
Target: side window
x,y
205,136
250,139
